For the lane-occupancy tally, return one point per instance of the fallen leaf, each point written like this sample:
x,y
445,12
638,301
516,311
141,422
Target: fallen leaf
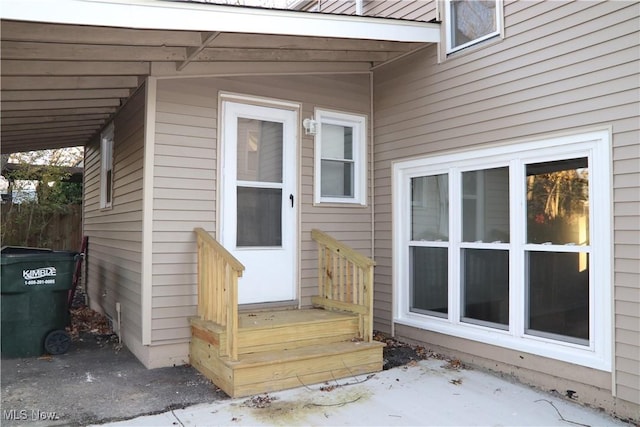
x,y
260,402
455,365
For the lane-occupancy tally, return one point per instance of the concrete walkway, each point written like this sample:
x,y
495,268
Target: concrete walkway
x,y
426,393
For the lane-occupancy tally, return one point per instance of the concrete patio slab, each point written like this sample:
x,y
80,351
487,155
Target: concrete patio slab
x,y
424,393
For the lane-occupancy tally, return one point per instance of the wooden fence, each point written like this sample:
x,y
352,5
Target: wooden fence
x,y
30,224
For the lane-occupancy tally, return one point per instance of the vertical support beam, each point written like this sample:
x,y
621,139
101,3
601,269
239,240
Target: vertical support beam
x,y
147,208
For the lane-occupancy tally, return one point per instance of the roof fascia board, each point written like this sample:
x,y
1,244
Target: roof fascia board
x,y
171,15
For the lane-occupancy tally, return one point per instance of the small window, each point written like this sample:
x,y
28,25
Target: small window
x,y
106,167
471,21
340,158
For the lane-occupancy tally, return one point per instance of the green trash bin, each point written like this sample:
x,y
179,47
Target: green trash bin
x,y
34,291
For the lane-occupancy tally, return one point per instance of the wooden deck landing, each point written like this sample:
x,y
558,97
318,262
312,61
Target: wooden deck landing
x,y
283,349
272,319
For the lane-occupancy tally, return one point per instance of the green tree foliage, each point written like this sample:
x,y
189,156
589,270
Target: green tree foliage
x,y
44,220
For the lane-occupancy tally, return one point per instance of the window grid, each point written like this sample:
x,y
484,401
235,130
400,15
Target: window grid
x,y
340,177
592,352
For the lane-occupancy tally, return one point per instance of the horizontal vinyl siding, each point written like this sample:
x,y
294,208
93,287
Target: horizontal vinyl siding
x,y
414,10
626,161
115,235
185,187
562,67
184,198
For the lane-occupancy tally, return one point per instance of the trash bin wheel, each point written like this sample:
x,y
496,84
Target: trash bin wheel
x,y
57,342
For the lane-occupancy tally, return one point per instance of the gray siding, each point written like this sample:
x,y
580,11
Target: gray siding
x,y
414,10
185,183
115,235
184,198
562,66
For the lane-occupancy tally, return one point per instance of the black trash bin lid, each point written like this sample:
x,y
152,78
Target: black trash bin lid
x,y
12,254
23,250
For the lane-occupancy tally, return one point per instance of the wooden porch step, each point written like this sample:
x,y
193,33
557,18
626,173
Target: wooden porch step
x,y
290,329
267,371
281,330
283,349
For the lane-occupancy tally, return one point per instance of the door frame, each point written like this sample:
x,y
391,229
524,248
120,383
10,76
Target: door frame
x,y
252,100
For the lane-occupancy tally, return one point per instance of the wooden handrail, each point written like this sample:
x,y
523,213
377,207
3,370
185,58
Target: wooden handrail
x,y
233,261
337,246
345,281
218,273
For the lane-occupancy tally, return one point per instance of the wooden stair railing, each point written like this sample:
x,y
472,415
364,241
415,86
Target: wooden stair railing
x,y
218,273
345,281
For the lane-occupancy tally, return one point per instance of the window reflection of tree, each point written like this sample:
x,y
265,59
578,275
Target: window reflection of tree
x,y
558,202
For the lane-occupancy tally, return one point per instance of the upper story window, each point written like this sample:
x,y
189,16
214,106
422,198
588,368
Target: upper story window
x,y
340,158
106,167
471,21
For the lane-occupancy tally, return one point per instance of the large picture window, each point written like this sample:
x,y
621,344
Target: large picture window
x,y
509,246
340,158
471,21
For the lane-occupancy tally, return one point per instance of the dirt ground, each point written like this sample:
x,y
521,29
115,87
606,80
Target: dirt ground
x,y
397,353
99,381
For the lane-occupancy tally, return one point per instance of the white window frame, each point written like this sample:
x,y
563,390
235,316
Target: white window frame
x,y
448,21
596,146
106,165
359,125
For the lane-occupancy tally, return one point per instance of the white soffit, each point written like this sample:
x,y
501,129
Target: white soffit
x,y
178,15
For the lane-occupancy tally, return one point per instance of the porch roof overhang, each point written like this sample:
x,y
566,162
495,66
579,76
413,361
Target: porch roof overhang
x,y
68,66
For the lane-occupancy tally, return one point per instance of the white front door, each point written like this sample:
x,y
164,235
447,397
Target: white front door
x,y
258,200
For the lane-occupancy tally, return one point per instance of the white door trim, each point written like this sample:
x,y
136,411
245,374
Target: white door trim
x,y
239,105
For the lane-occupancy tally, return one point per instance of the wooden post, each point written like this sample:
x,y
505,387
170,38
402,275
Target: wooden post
x,y
201,295
232,329
218,273
369,297
319,267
